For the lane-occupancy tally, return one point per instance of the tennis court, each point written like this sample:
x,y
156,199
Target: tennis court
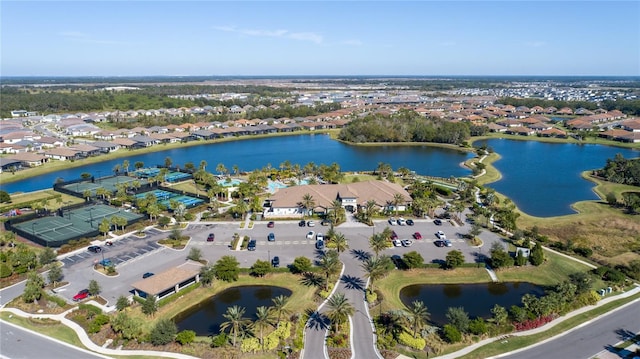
x,y
170,176
165,198
111,184
54,231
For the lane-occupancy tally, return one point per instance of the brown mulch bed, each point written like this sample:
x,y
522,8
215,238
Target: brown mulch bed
x,y
339,353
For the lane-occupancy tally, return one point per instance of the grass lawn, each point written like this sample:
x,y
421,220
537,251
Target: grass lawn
x,y
54,330
554,270
517,342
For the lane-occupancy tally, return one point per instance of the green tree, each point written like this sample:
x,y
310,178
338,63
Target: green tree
x,y
379,242
164,332
207,274
280,306
339,309
520,259
376,268
340,242
168,162
451,333
55,274
104,226
195,254
260,268
235,322
138,165
413,259
262,321
454,259
150,305
417,316
128,327
458,318
4,197
500,258
500,314
122,303
612,199
301,265
307,203
227,269
478,326
33,287
47,256
186,337
329,264
536,257
94,288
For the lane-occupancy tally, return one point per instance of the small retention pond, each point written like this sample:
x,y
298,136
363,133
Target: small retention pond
x,y
205,318
476,299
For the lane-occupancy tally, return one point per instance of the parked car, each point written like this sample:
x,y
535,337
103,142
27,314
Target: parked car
x,y
147,275
95,249
252,245
271,224
410,222
441,235
83,294
320,237
447,243
398,261
394,235
275,262
397,243
401,221
417,235
271,237
392,221
325,222
302,223
311,224
106,262
439,243
437,222
311,234
407,242
211,237
320,244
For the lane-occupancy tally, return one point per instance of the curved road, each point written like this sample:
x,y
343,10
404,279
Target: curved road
x,y
590,339
353,285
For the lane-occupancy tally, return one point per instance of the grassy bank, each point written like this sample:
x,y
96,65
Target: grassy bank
x,y
586,141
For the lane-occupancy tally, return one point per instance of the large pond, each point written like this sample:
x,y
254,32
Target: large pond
x,y
543,179
206,317
476,299
250,154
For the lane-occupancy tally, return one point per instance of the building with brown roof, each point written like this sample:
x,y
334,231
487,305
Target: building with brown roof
x,y
286,202
168,282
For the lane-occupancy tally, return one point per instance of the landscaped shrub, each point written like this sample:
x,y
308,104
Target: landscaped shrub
x,y
272,340
164,332
478,326
92,310
98,322
532,323
407,339
451,333
250,345
186,337
219,340
338,340
583,251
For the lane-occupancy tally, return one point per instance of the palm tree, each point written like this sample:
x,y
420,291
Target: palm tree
x,y
339,309
376,268
279,304
397,200
336,210
307,203
125,165
369,207
220,168
235,321
378,242
236,170
417,316
203,165
329,264
263,320
340,241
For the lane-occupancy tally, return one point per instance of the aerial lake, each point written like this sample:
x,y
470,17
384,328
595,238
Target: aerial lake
x,y
476,299
543,179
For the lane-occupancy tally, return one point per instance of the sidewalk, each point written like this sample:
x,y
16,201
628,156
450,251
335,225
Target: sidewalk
x,y
82,335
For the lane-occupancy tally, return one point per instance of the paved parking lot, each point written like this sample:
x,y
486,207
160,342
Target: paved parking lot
x,y
134,256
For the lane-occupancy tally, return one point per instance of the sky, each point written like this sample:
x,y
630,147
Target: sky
x,y
315,38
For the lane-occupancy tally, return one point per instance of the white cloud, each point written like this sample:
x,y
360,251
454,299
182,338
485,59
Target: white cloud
x,y
303,36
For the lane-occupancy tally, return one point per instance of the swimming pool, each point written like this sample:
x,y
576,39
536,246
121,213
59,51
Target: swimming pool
x,y
229,183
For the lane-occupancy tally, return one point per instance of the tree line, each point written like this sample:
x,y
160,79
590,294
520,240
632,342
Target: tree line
x,y
626,106
621,170
405,126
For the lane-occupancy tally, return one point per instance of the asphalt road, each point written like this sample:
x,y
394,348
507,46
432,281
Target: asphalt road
x,y
590,339
18,343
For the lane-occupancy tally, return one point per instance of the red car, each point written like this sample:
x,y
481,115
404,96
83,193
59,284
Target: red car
x,y
417,235
211,237
271,224
394,235
83,294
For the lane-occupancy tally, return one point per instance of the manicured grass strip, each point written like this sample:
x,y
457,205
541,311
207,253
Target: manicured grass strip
x,y
58,331
554,270
515,342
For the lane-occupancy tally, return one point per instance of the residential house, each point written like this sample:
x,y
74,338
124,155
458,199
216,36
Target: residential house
x,y
30,159
62,154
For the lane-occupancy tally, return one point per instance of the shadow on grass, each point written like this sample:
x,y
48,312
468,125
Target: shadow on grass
x,y
311,280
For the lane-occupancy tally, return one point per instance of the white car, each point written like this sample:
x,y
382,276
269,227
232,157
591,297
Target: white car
x,y
401,221
311,224
407,242
392,221
441,235
397,243
319,237
311,234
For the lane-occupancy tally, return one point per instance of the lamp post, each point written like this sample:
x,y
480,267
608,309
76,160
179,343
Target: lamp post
x,y
269,255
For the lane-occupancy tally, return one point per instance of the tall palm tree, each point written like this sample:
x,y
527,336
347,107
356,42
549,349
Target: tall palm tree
x,y
369,207
340,241
417,316
339,309
307,203
398,199
263,320
379,242
376,268
336,210
203,165
125,165
279,306
329,264
234,321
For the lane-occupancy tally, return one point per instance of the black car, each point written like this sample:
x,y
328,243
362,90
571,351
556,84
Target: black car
x,y
409,222
147,275
325,222
437,222
320,244
252,245
302,224
95,249
439,243
275,262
